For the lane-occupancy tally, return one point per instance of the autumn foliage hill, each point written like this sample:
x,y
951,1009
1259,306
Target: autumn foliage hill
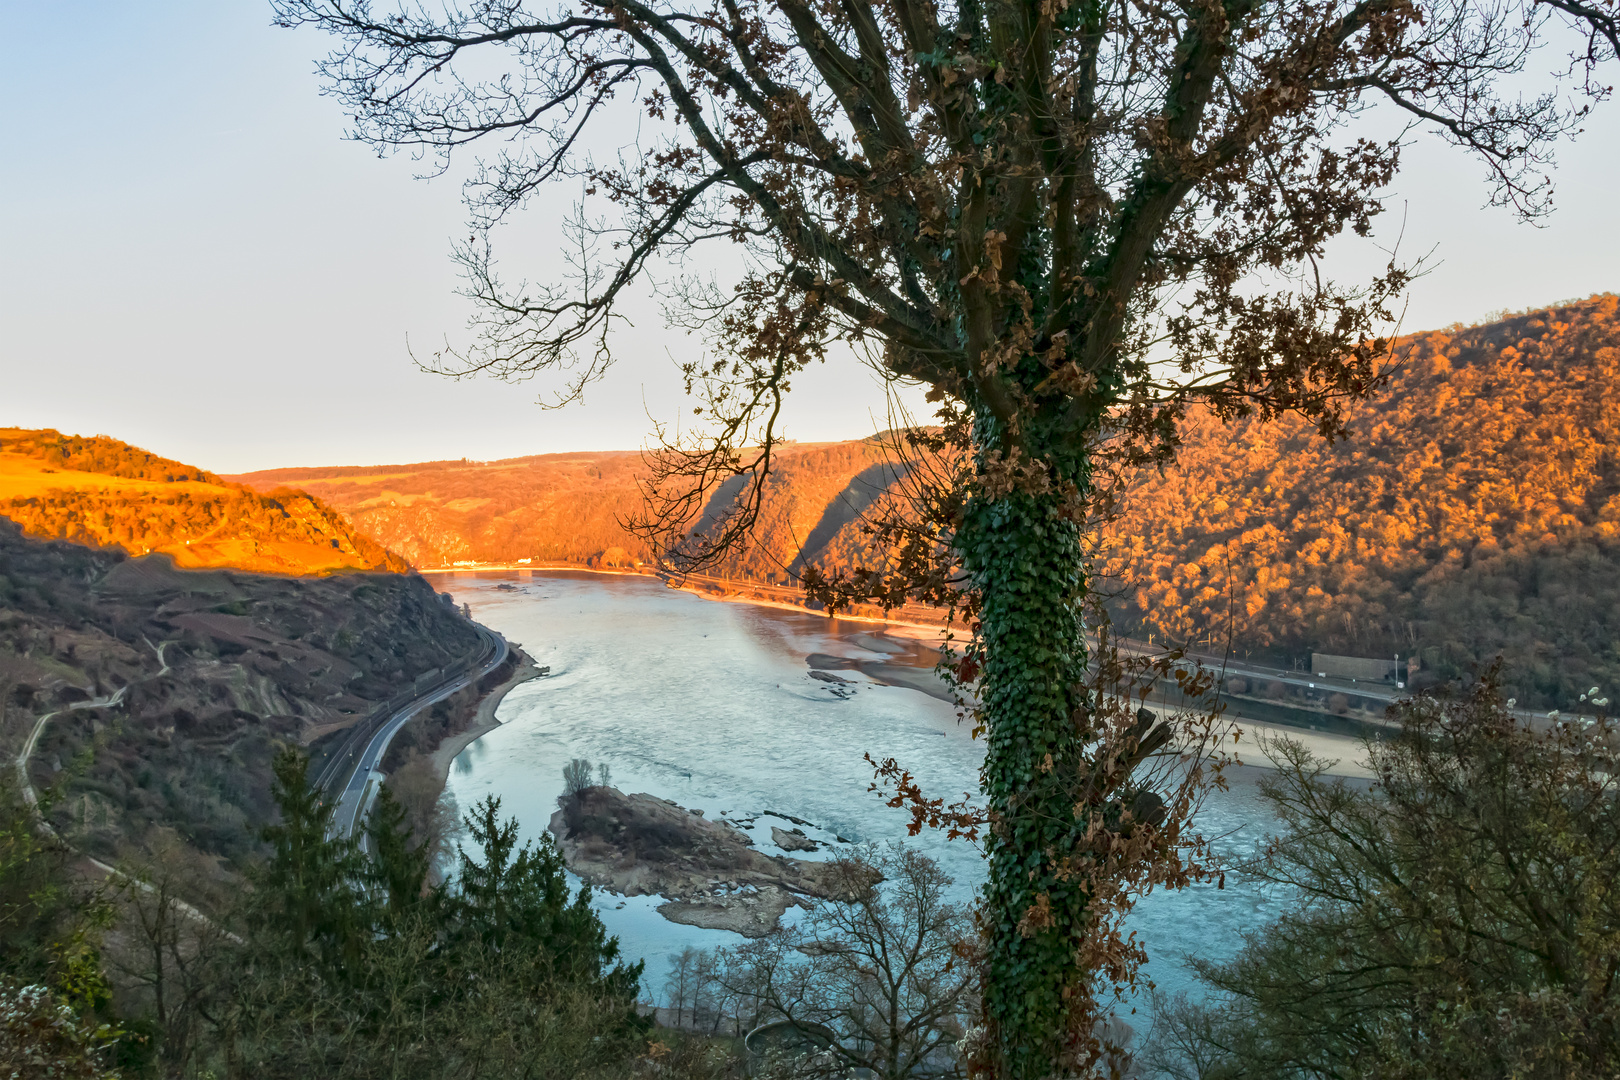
x,y
571,508
105,493
1473,512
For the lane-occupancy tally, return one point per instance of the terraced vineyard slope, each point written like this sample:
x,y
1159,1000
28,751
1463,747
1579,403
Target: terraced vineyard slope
x,y
247,661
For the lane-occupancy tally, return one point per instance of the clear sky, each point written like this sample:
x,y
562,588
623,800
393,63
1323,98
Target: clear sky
x,y
193,260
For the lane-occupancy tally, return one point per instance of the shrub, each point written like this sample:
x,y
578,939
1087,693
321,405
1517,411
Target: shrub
x,y
41,1037
1458,920
576,777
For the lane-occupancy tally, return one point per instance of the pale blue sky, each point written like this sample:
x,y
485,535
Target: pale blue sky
x,y
193,260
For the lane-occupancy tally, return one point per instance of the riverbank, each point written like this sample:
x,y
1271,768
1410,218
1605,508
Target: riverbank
x,y
900,627
908,650
501,568
1347,753
713,709
1346,757
714,589
484,721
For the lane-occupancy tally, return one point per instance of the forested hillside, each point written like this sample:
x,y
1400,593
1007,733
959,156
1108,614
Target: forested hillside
x,y
571,507
556,507
105,493
1473,511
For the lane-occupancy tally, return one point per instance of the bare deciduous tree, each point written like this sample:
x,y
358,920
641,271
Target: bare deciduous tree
x,y
1072,220
1458,920
576,777
169,952
884,979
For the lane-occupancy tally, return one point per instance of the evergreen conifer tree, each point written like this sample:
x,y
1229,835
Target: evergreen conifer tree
x,y
517,899
398,869
309,897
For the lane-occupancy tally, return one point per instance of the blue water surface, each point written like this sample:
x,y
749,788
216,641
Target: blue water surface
x,y
711,705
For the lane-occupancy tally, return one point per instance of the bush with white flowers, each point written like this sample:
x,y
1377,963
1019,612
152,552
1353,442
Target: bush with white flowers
x,y
43,1039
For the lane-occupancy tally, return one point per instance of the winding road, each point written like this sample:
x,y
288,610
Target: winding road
x,y
32,798
27,785
350,776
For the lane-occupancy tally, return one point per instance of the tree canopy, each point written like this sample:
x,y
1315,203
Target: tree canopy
x,y
973,187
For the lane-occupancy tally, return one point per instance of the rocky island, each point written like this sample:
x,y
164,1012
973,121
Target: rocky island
x,y
710,871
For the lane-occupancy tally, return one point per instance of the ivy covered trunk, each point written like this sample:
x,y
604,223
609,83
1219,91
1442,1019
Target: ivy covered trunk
x,y
1023,551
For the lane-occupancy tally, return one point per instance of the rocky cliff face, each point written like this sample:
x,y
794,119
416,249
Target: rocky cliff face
x,y
215,667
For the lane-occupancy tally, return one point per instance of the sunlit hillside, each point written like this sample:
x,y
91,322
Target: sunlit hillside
x,y
1474,511
572,508
105,493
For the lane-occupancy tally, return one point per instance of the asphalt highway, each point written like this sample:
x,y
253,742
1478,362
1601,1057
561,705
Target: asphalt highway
x,y
360,786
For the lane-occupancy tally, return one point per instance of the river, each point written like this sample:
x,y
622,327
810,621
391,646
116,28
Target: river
x,y
711,705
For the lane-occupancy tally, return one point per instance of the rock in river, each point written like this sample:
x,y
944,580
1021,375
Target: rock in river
x,y
641,845
794,840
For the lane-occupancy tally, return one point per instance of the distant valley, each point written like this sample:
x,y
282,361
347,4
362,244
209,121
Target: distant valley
x,y
163,629
571,507
1475,510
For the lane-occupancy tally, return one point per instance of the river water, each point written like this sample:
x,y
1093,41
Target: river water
x,y
711,705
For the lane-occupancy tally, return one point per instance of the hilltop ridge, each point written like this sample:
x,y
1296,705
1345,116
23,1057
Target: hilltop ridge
x,y
571,507
101,492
